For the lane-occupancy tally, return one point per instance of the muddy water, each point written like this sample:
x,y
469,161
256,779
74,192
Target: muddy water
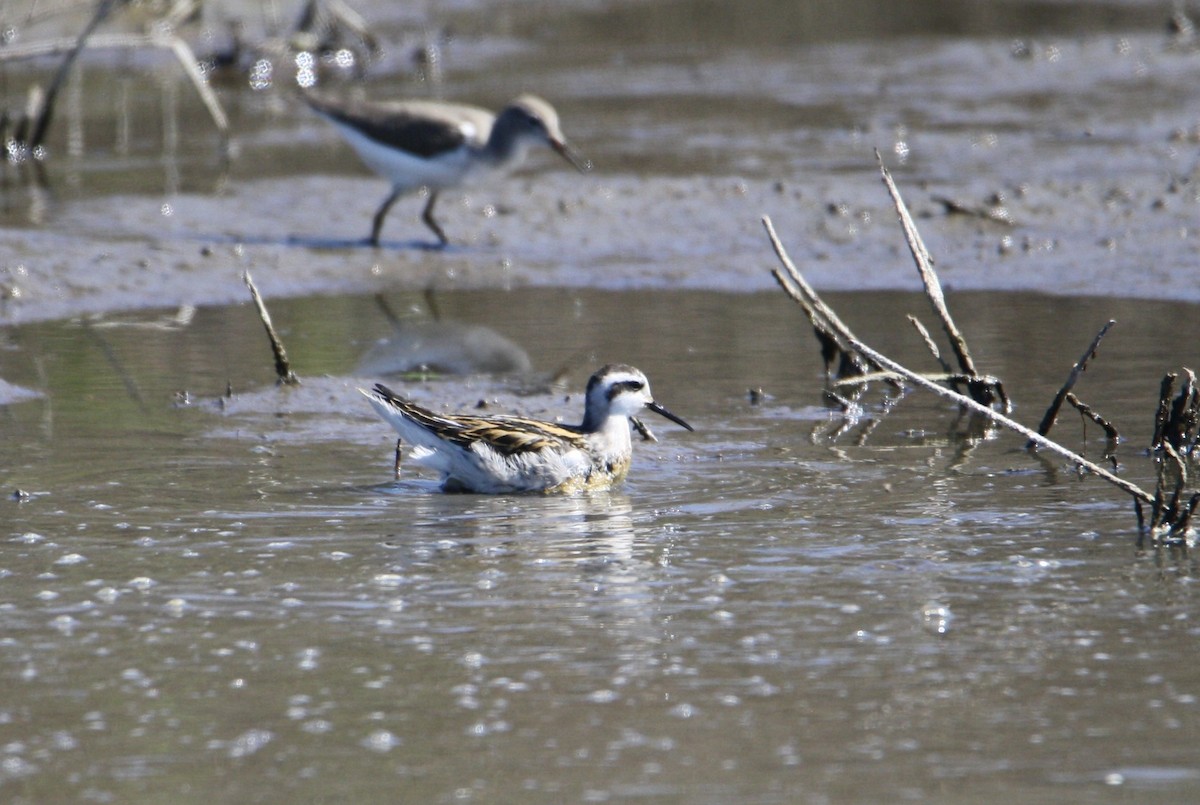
x,y
226,598
232,600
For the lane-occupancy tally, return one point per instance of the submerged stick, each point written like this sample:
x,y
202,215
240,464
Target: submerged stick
x,y
1078,369
791,281
283,368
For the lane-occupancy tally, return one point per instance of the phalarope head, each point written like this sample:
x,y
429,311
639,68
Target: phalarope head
x,y
620,391
514,454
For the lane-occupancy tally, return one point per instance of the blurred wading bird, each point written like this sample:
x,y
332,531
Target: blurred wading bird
x,y
439,145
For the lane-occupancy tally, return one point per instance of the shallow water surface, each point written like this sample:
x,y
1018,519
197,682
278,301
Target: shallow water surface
x,y
212,589
233,600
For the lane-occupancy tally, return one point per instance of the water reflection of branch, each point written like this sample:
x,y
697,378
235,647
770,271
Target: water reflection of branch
x,y
118,366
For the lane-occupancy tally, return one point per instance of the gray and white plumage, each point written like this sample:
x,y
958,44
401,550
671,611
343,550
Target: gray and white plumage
x,y
439,145
499,454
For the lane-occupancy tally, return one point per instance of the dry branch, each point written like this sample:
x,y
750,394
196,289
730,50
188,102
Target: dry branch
x,y
933,288
283,368
794,284
980,391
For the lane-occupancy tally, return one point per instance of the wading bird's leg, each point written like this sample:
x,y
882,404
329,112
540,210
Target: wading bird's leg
x,y
427,217
381,213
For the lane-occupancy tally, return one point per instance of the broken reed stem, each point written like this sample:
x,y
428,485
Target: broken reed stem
x,y
1078,369
791,281
283,368
1184,413
1164,409
933,288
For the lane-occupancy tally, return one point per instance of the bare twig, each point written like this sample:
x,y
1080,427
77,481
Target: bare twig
x,y
283,368
1076,370
1176,421
791,280
642,429
933,288
347,16
1185,412
1086,412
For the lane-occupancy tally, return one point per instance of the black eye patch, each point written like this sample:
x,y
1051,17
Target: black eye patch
x,y
625,385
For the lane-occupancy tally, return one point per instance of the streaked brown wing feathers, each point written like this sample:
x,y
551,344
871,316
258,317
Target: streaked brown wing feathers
x,y
509,435
512,435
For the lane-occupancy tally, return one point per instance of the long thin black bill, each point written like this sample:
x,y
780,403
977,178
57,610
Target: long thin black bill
x,y
658,409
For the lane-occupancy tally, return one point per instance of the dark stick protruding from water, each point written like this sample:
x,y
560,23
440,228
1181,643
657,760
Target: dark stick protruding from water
x,y
1078,369
283,368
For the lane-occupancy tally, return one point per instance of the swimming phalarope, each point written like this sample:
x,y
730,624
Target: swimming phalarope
x,y
513,454
436,145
